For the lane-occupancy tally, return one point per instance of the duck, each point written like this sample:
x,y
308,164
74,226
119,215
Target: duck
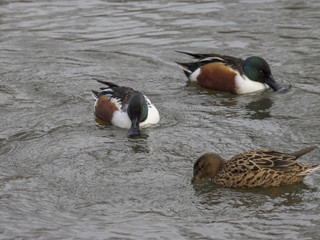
x,y
124,107
254,168
230,74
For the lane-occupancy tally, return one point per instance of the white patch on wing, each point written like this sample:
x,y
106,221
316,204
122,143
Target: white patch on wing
x,y
211,58
107,89
116,101
245,85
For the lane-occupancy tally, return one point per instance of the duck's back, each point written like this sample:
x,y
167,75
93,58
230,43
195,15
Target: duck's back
x,y
261,168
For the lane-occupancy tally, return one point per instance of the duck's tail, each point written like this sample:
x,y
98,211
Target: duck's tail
x,y
187,68
105,90
95,94
303,151
109,84
195,55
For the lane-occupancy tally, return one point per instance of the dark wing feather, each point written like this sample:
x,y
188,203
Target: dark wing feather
x,y
264,159
115,91
233,62
202,55
123,93
109,84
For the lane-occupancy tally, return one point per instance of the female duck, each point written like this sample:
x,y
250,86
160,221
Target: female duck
x,y
256,168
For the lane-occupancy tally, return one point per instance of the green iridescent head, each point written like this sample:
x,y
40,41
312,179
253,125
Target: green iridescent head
x,y
257,69
138,112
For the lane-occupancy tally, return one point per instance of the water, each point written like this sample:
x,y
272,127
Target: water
x,y
62,176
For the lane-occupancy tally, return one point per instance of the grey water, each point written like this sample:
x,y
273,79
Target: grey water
x,y
64,176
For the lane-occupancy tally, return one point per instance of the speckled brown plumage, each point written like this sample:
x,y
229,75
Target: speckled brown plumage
x,y
254,168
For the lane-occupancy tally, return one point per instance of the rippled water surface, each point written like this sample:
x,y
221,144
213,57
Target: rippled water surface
x,y
62,176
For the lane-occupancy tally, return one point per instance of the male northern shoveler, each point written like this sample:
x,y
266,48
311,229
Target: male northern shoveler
x,y
124,107
256,168
230,74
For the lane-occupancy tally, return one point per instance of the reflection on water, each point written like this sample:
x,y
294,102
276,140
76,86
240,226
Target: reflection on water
x,y
62,175
259,109
287,191
258,105
139,144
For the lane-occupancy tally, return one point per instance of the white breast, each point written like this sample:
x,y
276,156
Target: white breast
x,y
122,120
153,114
245,85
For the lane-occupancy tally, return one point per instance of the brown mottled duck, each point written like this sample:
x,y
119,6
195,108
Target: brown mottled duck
x,y
255,168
